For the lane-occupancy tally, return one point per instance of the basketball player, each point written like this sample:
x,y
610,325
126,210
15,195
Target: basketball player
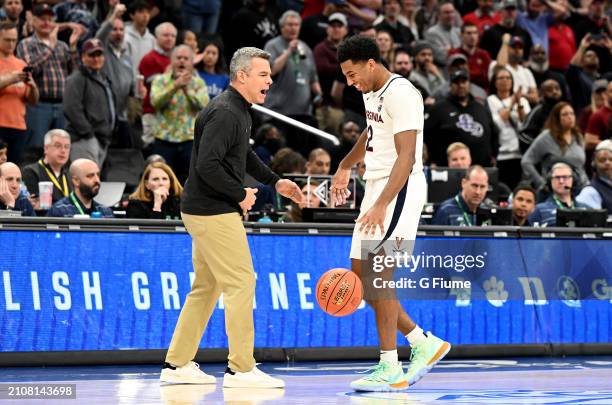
x,y
395,193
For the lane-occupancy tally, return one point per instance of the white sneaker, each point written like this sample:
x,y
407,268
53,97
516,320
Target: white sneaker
x,y
251,379
190,373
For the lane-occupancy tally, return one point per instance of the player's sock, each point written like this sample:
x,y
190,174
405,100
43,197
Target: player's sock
x,y
389,356
416,336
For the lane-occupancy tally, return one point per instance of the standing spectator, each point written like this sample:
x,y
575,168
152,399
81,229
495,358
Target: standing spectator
x,y
118,68
90,106
459,118
296,84
600,123
52,167
539,66
523,204
484,17
314,27
11,197
408,18
561,45
402,63
158,195
213,68
510,56
425,73
85,177
598,194
401,34
76,12
177,96
598,100
458,156
596,23
509,110
456,62
386,46
51,61
252,25
152,65
138,40
11,10
444,35
201,16
582,72
491,40
329,117
478,59
540,15
427,15
17,87
561,140
550,95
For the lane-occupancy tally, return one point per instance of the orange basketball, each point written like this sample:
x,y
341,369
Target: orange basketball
x,y
339,292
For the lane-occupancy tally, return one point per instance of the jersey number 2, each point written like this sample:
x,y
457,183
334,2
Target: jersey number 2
x,y
370,136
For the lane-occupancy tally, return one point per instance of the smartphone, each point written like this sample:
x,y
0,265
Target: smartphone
x,y
28,69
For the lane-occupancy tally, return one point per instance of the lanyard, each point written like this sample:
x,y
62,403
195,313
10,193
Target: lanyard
x,y
560,204
76,203
467,219
64,189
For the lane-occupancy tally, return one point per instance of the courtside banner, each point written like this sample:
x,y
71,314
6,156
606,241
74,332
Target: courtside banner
x,y
120,291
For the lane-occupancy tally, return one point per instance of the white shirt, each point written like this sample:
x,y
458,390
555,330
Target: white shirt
x,y
521,76
508,131
395,107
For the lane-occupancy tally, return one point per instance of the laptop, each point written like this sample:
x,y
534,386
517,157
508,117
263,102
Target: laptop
x,y
110,193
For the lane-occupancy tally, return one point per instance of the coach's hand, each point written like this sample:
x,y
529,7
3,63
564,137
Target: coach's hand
x,y
249,200
339,187
372,219
289,189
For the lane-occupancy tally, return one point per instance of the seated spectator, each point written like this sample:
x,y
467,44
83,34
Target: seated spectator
x,y
459,118
478,59
425,73
444,36
598,99
177,96
268,141
402,63
561,140
539,67
600,123
598,194
349,134
288,161
458,156
491,40
484,17
52,166
17,88
458,61
561,183
509,110
158,195
401,34
319,162
90,106
523,204
11,197
85,177
462,208
510,56
550,95
213,69
154,158
294,213
386,46
3,152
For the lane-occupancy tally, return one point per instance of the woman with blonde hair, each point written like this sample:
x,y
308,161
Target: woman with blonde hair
x,y
158,194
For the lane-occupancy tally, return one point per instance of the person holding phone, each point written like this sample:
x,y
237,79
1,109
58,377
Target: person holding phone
x,y
16,88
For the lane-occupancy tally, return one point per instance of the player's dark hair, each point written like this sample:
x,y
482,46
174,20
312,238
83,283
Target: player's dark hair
x,y
358,49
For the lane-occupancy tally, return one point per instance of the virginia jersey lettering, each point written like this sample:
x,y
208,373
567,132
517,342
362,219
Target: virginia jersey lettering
x,y
396,107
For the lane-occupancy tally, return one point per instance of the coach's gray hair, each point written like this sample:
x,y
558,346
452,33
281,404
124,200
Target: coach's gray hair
x,y
287,14
242,60
162,26
183,46
60,133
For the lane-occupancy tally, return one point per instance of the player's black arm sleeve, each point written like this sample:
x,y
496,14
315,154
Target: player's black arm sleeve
x,y
256,168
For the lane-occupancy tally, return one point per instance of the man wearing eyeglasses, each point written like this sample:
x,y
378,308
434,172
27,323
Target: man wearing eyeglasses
x,y
51,167
561,184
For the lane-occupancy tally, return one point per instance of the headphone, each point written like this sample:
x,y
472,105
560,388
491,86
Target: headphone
x,y
564,165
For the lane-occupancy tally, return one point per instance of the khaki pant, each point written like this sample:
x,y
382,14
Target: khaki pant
x,y
222,264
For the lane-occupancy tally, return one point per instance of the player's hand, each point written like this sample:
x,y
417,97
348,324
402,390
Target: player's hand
x,y
339,187
249,200
372,220
289,189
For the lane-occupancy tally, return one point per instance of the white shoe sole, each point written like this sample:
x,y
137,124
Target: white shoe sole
x,y
380,388
230,383
182,380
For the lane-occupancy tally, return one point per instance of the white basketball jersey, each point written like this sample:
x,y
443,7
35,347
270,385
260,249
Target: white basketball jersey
x,y
396,107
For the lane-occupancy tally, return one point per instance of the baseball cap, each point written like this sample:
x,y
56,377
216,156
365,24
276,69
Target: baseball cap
x,y
600,84
509,4
339,17
455,58
43,9
516,42
604,145
92,45
460,74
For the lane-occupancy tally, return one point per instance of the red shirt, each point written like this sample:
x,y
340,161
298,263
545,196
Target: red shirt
x,y
561,46
312,7
599,123
478,63
483,22
151,65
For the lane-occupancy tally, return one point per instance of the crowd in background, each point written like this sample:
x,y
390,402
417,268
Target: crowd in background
x,y
520,85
